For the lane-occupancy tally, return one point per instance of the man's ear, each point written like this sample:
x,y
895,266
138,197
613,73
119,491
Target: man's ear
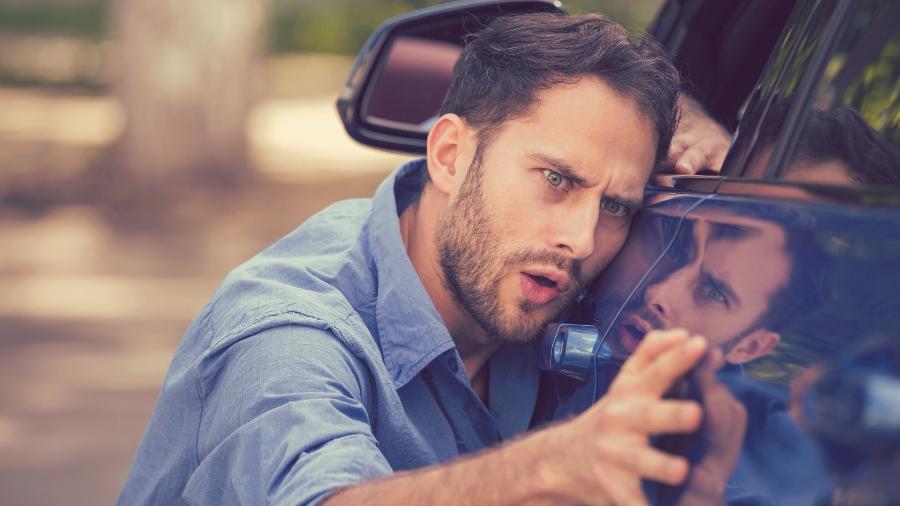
x,y
752,346
445,152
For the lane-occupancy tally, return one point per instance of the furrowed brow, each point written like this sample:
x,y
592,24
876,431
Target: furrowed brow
x,y
632,203
724,286
560,166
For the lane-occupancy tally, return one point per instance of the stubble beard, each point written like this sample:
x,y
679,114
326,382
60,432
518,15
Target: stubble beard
x,y
474,262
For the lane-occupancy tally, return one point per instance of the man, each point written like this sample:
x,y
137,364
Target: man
x,y
729,276
389,335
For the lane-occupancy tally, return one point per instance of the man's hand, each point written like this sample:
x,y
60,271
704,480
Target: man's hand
x,y
724,424
601,456
699,144
598,457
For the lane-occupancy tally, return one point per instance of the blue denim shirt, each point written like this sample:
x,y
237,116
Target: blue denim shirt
x,y
318,364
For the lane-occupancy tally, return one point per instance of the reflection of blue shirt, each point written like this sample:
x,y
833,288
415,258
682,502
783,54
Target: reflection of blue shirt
x,y
318,364
778,464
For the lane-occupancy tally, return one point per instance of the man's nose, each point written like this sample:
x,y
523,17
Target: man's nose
x,y
576,232
657,299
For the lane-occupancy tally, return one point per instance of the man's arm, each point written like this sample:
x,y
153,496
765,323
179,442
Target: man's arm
x,y
285,420
598,457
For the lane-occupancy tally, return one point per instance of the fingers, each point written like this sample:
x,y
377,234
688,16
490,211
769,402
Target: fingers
x,y
660,359
672,364
654,343
697,157
712,362
648,462
704,486
656,417
691,161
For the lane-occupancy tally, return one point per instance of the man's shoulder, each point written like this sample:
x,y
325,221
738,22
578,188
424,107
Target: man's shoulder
x,y
316,276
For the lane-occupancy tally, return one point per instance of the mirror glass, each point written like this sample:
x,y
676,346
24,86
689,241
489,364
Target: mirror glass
x,y
408,90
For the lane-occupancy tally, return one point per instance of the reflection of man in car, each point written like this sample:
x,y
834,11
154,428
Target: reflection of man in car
x,y
734,279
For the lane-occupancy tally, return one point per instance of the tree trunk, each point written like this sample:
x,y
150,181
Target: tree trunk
x,y
186,73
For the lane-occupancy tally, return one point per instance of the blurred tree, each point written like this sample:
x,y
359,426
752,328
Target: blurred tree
x,y
342,26
185,72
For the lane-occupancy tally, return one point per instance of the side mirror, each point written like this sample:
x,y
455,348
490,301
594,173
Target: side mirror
x,y
400,77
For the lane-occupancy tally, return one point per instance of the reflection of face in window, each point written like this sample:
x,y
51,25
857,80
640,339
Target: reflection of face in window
x,y
718,282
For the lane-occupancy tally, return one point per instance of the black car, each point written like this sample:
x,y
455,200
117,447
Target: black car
x,y
789,259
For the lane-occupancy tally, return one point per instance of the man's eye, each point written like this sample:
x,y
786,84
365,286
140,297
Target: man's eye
x,y
715,294
554,179
613,207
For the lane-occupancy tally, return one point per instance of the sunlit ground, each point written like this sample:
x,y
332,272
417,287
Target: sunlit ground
x,y
91,312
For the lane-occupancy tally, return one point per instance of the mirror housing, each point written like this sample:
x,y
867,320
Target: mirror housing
x,y
395,88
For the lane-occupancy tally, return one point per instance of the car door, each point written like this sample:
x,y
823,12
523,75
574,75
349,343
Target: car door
x,y
789,262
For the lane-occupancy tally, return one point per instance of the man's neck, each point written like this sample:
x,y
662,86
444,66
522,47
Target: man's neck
x,y
418,226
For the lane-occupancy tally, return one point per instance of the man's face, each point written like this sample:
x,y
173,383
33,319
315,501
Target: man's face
x,y
720,287
545,208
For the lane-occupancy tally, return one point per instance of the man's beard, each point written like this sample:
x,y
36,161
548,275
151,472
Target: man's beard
x,y
474,262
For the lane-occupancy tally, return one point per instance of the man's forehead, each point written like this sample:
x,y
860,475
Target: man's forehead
x,y
752,260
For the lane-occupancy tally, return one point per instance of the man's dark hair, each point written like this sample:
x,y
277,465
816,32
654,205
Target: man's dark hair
x,y
806,288
506,64
842,134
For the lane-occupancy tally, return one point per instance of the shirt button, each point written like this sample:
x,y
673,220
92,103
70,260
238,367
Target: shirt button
x,y
453,364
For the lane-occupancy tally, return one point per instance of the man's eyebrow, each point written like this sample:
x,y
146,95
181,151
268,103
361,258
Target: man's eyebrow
x,y
723,286
632,203
557,165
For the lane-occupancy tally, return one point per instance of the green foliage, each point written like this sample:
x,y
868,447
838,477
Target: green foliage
x,y
343,27
333,27
87,21
876,93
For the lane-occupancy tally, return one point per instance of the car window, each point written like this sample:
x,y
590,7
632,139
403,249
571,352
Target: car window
x,y
827,109
767,114
851,130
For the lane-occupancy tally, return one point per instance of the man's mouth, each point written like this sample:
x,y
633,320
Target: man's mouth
x,y
543,285
630,331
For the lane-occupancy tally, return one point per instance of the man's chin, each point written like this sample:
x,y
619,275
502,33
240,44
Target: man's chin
x,y
525,326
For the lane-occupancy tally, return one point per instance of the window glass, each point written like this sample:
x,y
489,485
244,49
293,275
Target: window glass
x,y
851,133
763,118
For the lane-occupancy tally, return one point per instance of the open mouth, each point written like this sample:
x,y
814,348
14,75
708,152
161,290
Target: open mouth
x,y
542,281
630,331
634,332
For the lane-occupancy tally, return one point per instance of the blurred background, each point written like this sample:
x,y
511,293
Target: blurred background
x,y
147,148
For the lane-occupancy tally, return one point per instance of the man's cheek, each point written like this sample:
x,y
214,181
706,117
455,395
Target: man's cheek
x,y
609,241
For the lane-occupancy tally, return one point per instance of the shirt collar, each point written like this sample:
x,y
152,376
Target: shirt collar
x,y
410,330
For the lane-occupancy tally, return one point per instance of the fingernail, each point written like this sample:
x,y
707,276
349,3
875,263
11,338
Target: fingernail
x,y
686,167
697,343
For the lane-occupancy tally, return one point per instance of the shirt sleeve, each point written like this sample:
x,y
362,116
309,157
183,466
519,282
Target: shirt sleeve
x,y
284,420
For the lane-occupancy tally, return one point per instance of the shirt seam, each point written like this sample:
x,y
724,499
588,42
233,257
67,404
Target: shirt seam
x,y
334,329
207,325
